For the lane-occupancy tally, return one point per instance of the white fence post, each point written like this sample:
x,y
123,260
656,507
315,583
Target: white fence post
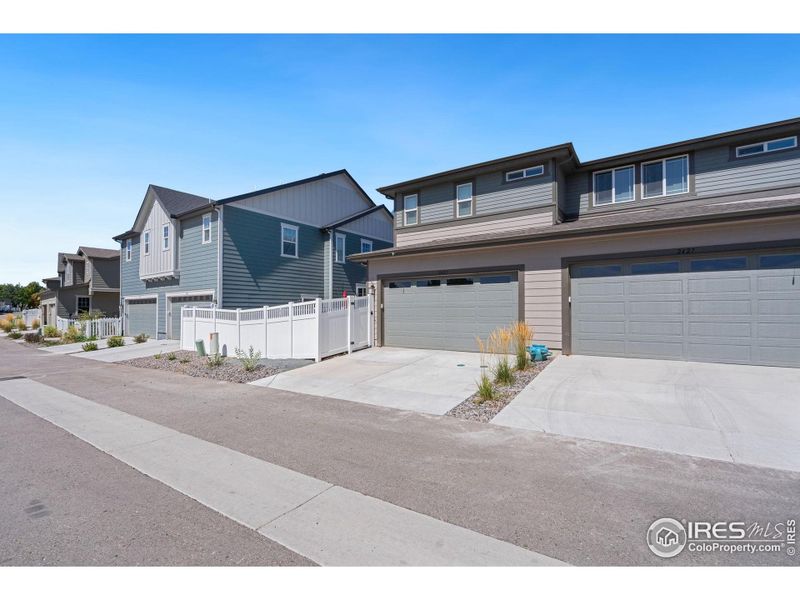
x,y
318,309
238,328
214,316
291,329
349,325
370,302
194,326
266,332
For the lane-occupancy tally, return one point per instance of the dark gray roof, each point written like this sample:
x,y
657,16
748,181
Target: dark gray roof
x,y
66,255
616,222
177,203
99,252
356,216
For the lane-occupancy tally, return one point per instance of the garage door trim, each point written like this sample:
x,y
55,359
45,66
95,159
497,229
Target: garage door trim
x,y
517,269
567,262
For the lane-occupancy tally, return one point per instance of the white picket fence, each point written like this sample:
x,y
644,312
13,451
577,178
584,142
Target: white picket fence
x,y
314,329
99,328
31,314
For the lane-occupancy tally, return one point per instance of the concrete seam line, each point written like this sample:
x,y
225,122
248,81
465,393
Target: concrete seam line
x,y
341,527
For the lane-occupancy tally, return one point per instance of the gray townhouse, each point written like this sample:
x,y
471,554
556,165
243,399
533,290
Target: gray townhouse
x,y
87,280
272,246
686,251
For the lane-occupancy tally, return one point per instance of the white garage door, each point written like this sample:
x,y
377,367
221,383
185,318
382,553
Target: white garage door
x,y
448,312
140,317
175,306
734,308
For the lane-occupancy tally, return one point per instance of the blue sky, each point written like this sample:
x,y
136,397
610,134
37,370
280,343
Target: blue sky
x,y
86,122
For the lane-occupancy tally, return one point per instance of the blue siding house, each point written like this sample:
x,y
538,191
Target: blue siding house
x,y
271,246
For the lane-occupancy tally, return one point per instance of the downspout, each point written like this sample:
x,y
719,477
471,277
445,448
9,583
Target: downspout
x,y
218,299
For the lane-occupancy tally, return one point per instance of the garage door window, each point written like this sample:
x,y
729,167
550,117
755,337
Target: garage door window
x,y
655,268
460,281
599,270
429,282
780,261
490,279
719,264
399,284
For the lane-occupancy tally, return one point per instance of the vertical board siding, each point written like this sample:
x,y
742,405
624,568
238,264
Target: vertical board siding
x,y
254,273
197,265
376,225
157,260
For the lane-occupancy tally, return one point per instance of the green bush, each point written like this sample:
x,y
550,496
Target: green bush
x,y
33,338
215,360
141,338
15,335
485,388
89,346
249,359
115,341
51,331
73,335
171,356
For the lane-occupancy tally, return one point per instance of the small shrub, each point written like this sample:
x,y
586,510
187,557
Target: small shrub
x,y
115,341
33,338
485,388
73,335
90,315
141,338
171,356
249,359
89,346
15,335
35,324
157,356
215,360
499,345
19,324
521,335
6,325
184,360
51,331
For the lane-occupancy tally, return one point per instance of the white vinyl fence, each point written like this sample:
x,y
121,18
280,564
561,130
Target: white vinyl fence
x,y
314,329
31,314
99,328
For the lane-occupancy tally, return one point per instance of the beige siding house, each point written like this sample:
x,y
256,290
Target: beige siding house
x,y
688,251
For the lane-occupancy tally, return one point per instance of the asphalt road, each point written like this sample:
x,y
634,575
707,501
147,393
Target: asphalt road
x,y
586,503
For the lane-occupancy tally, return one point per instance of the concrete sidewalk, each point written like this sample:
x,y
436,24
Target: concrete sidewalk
x,y
326,523
78,346
127,352
737,413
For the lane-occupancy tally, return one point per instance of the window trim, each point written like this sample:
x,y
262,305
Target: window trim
x,y
296,229
663,162
128,250
415,210
203,229
613,171
343,237
77,300
361,286
764,145
146,242
165,238
524,174
366,241
471,200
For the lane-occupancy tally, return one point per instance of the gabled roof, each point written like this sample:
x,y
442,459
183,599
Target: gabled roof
x,y
291,184
177,203
358,215
98,252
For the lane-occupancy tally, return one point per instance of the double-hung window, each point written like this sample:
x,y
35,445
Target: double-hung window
x,y
165,238
665,177
206,236
366,245
341,241
464,200
288,240
146,243
770,146
82,304
613,186
128,250
525,173
410,209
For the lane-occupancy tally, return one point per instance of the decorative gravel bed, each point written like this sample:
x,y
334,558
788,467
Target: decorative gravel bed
x,y
188,363
472,409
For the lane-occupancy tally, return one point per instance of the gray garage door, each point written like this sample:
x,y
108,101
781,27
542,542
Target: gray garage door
x,y
177,304
140,317
737,308
447,313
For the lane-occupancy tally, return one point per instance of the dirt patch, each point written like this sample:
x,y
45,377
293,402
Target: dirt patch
x,y
188,363
472,409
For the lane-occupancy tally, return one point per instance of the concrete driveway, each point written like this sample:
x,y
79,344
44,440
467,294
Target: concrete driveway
x,y
129,351
427,381
736,413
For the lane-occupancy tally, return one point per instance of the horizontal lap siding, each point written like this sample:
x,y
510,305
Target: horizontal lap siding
x,y
493,195
411,236
716,173
105,273
346,275
254,273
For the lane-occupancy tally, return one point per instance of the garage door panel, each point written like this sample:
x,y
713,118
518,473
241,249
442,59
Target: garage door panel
x,y
749,315
177,304
448,316
141,317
